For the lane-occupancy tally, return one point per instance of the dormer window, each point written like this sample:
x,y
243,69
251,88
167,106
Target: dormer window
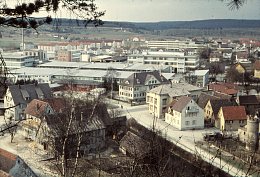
x,y
26,95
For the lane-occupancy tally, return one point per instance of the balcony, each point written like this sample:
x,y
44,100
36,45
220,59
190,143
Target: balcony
x,y
192,110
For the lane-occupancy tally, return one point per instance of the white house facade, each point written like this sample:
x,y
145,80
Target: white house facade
x,y
185,114
18,60
18,96
159,98
134,88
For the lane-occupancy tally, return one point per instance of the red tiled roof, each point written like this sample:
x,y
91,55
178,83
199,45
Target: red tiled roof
x,y
4,174
7,155
234,113
242,54
77,43
226,88
37,107
7,160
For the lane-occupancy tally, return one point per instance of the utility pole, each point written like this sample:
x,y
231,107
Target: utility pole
x,y
112,86
22,39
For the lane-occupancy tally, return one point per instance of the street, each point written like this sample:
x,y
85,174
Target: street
x,y
184,139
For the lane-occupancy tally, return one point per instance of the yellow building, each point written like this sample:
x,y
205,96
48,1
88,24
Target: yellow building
x,y
257,69
240,69
213,106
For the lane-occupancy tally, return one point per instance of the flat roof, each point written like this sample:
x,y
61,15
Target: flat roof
x,y
15,55
101,66
35,71
201,72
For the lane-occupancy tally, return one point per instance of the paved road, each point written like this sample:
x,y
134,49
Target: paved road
x,y
184,139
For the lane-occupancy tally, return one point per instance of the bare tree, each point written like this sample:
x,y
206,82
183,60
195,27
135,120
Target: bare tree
x,y
74,133
234,76
111,78
216,68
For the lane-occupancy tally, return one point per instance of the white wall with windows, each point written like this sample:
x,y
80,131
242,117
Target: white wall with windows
x,y
191,117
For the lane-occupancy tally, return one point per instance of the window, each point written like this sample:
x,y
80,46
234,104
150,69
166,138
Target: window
x,y
194,122
229,121
164,101
187,122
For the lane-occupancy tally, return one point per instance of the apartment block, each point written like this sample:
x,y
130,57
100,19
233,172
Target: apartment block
x,y
179,61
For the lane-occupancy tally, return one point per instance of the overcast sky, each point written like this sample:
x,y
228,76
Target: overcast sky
x,y
175,10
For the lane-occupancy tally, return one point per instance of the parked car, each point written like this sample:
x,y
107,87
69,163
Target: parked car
x,y
212,136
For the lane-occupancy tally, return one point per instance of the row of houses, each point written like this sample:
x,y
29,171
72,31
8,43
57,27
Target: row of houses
x,y
45,117
186,106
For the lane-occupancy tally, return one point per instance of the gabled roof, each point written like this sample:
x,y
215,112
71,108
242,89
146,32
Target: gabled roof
x,y
180,104
4,174
234,113
222,95
7,160
186,86
32,91
168,90
142,77
57,122
204,98
92,119
247,100
37,108
8,167
226,88
217,104
247,66
134,145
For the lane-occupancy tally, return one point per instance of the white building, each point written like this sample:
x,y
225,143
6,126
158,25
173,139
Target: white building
x,y
18,96
179,61
55,75
81,72
135,87
117,66
17,60
27,46
202,77
159,98
185,114
40,55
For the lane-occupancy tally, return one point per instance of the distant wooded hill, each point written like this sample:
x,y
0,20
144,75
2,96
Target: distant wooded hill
x,y
199,24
